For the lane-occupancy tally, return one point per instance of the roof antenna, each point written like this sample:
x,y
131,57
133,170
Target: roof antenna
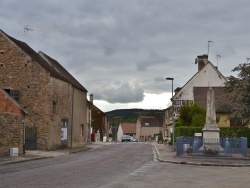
x,y
248,58
26,29
217,56
209,43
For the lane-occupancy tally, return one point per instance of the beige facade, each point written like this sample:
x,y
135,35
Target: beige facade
x,y
224,121
147,127
167,127
79,119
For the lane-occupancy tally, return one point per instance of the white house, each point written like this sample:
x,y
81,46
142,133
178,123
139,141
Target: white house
x,y
207,76
126,129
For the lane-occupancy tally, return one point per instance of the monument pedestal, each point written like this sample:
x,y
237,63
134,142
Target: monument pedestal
x,y
211,132
211,139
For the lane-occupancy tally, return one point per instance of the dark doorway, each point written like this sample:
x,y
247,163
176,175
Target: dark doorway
x,y
30,138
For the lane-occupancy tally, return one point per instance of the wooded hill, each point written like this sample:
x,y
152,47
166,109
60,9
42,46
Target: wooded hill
x,y
118,116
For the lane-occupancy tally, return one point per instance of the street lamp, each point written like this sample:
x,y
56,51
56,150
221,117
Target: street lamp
x,y
169,78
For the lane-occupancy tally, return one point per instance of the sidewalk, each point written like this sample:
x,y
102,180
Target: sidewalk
x,y
41,154
167,154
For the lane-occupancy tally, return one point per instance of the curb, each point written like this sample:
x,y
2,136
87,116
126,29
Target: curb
x,y
23,160
197,163
39,158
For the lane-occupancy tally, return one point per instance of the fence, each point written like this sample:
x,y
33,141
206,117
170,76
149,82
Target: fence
x,y
229,147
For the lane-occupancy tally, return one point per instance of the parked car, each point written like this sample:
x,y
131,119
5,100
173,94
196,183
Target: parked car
x,y
126,138
133,139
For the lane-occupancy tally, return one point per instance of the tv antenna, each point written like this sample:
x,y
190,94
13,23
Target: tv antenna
x,y
218,56
26,29
248,58
209,43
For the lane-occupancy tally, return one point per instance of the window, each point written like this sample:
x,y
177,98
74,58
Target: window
x,y
13,93
82,130
54,107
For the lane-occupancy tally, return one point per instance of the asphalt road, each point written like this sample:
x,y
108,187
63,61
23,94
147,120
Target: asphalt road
x,y
92,168
122,165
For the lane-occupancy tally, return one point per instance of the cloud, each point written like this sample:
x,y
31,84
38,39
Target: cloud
x,y
118,92
119,50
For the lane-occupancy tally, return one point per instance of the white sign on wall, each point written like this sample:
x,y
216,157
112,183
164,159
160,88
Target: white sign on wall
x,y
64,134
178,103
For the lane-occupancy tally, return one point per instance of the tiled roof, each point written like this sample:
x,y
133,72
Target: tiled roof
x,y
222,103
62,71
12,100
151,121
64,75
209,63
129,128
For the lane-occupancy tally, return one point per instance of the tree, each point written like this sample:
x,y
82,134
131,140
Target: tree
x,y
238,89
192,114
97,123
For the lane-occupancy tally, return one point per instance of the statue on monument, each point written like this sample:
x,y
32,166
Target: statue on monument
x,y
211,132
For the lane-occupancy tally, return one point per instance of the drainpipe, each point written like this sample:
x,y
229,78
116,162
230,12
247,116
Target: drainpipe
x,y
24,134
72,117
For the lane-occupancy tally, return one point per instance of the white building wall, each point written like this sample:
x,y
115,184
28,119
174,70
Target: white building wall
x,y
119,133
208,76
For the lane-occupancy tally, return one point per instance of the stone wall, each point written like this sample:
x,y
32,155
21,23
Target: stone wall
x,y
39,94
11,126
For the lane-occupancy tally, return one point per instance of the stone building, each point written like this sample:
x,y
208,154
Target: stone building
x,y
100,124
56,103
12,121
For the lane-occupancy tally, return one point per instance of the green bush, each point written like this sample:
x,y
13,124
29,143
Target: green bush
x,y
160,138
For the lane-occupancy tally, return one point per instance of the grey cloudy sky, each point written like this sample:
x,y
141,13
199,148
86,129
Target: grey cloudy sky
x,y
122,50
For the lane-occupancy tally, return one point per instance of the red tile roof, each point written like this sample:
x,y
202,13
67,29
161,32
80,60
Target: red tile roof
x,y
129,128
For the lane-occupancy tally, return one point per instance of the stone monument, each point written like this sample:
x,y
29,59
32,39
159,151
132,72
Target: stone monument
x,y
211,132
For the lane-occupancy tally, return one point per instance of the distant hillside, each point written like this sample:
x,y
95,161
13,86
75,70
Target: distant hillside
x,y
130,115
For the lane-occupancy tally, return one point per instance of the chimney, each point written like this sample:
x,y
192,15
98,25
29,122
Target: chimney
x,y
202,61
91,98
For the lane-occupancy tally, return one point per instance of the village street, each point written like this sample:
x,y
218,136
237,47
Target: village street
x,y
118,165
